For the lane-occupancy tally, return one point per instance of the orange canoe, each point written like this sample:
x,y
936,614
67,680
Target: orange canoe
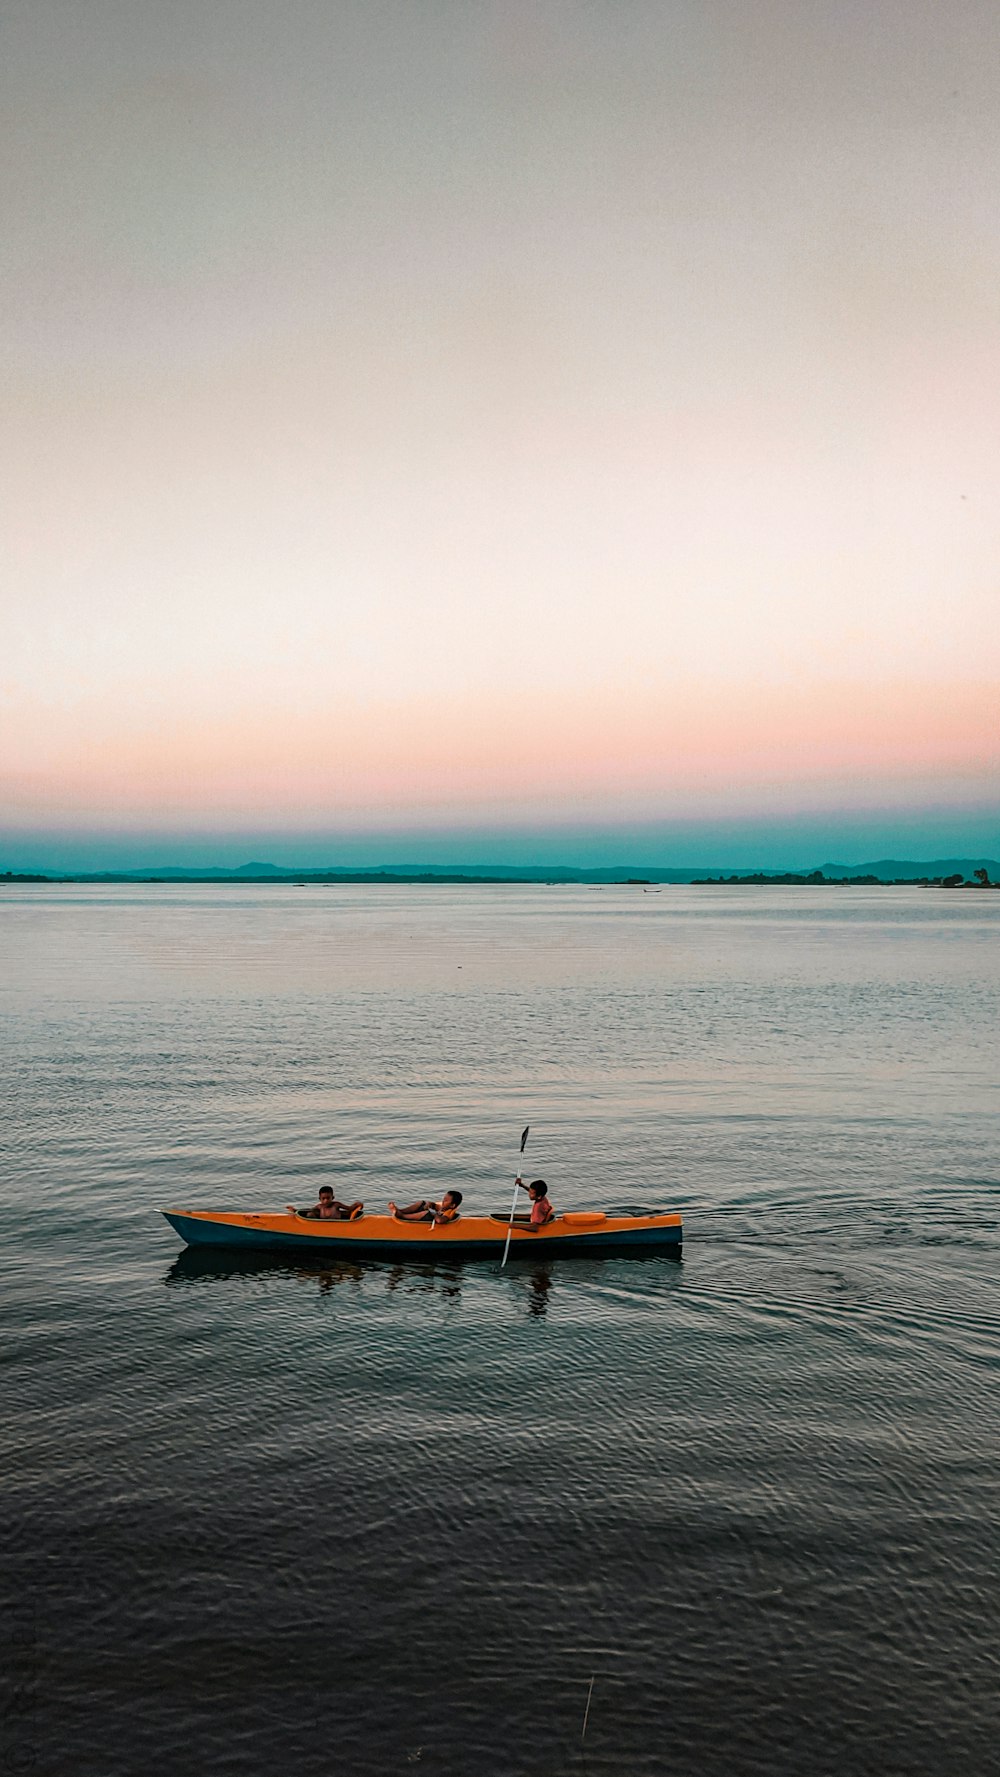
x,y
468,1237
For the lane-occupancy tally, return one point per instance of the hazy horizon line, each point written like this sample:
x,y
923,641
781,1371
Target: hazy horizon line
x,y
929,834
500,870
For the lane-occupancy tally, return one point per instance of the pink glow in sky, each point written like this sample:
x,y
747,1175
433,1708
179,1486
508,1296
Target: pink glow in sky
x,y
421,413
502,757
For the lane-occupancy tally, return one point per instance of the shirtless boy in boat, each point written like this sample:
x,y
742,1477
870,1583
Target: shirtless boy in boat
x,y
425,1211
329,1208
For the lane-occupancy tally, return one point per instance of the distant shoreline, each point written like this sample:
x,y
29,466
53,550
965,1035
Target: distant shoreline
x,y
382,878
817,880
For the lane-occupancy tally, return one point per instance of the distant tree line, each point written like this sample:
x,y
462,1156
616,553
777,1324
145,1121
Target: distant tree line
x,y
789,878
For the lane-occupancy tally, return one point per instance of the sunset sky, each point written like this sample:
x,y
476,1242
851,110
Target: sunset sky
x,y
436,424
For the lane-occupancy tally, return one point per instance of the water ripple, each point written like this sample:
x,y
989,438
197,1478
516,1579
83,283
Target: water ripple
x,y
371,1518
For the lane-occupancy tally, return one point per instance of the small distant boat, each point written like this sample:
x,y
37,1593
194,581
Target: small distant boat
x,y
468,1237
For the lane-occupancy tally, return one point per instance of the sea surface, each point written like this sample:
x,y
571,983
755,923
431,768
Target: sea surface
x,y
333,1520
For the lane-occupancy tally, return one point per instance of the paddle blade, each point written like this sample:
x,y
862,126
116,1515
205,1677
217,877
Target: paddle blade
x,y
524,1137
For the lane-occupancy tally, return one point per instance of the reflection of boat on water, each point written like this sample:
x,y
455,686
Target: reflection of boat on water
x,y
218,1264
211,1264
468,1237
420,1275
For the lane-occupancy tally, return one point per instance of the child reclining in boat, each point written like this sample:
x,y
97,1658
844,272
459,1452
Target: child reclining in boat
x,y
425,1211
329,1208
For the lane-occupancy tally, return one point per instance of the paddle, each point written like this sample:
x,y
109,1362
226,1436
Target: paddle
x,y
513,1206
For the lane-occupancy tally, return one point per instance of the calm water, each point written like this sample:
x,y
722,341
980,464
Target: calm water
x,y
372,1519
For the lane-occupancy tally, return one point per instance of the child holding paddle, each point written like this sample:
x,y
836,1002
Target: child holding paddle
x,y
541,1209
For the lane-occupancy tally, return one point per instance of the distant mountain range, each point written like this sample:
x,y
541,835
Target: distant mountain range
x,y
883,870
